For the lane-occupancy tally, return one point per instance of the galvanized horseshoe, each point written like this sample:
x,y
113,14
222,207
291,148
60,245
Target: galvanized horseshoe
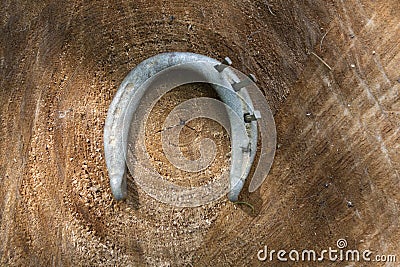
x,y
233,93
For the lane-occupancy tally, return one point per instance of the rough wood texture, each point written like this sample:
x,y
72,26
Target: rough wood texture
x,y
338,130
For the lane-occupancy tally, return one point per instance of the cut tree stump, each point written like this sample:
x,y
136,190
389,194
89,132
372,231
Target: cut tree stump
x,y
336,172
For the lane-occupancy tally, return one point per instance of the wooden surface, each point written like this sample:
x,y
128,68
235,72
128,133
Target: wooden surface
x,y
336,170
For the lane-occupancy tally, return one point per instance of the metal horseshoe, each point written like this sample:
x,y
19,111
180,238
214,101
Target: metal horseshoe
x,y
236,97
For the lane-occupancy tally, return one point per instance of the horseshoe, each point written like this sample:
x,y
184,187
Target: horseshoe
x,y
233,93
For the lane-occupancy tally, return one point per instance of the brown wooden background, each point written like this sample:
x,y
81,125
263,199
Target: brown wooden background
x,y
338,130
